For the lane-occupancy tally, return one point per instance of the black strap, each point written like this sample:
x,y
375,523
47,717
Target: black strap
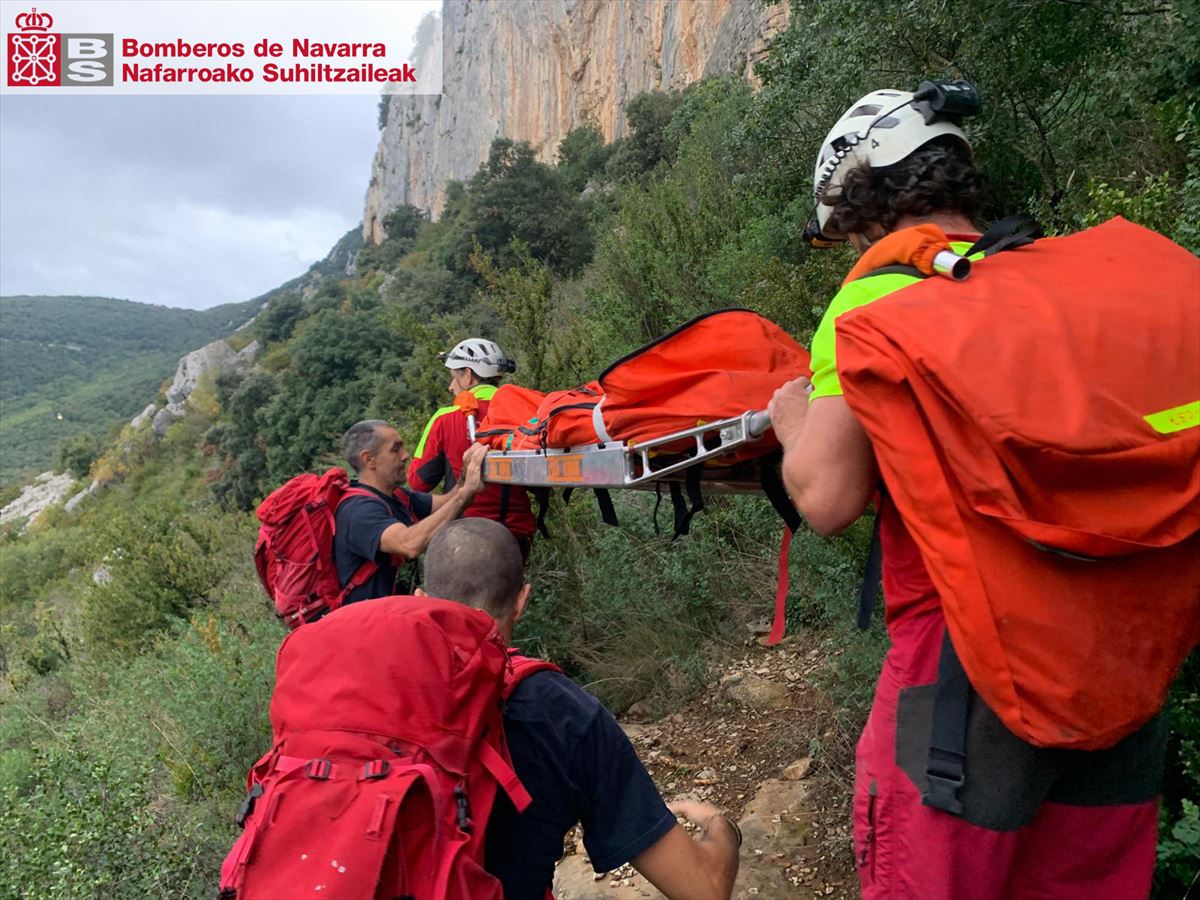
x,y
542,496
505,496
772,484
695,497
607,512
872,576
1007,234
685,510
657,504
567,494
946,767
679,506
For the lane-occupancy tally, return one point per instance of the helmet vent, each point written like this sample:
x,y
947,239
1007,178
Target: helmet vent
x,y
864,110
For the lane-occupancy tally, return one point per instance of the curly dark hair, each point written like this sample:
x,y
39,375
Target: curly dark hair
x,y
939,177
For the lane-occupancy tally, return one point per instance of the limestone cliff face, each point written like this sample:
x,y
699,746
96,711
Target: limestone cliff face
x,y
534,69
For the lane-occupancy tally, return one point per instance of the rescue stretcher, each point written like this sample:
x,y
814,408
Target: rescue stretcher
x,y
641,465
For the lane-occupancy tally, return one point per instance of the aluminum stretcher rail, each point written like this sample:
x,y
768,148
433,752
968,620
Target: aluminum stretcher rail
x,y
636,466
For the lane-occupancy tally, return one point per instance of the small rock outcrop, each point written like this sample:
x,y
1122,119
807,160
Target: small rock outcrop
x,y
215,357
164,417
46,490
143,418
73,504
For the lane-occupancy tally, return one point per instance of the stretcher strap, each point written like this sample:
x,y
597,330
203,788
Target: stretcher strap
x,y
781,591
542,495
607,511
772,485
598,423
505,497
686,509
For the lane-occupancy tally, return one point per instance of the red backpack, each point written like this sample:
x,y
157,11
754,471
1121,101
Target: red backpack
x,y
511,417
389,750
294,553
1038,429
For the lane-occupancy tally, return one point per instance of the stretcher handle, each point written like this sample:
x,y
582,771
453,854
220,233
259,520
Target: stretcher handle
x,y
758,423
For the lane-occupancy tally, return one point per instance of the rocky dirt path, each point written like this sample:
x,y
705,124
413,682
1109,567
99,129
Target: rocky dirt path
x,y
750,744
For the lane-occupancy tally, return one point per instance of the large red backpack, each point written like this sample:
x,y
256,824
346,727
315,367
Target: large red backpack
x,y
1038,428
389,750
294,552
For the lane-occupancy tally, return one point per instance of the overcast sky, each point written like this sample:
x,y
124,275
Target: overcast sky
x,y
185,201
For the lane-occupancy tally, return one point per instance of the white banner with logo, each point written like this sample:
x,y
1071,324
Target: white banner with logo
x,y
221,47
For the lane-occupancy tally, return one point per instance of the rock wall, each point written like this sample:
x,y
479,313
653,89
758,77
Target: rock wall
x,y
47,489
534,70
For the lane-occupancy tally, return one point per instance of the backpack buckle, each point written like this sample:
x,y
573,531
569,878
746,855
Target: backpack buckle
x,y
463,809
942,793
319,769
376,768
248,805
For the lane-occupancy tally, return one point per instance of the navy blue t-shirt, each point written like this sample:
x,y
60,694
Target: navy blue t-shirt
x,y
578,766
359,524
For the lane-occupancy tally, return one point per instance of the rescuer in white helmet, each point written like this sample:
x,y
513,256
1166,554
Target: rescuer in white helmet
x,y
477,366
996,817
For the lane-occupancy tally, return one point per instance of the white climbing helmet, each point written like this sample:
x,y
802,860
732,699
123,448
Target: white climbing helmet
x,y
881,129
483,357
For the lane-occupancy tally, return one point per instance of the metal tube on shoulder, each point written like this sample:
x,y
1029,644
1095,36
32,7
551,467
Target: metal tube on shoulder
x,y
951,265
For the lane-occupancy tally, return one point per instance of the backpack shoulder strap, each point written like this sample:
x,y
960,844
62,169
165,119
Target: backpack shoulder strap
x,y
367,569
360,492
521,667
1007,234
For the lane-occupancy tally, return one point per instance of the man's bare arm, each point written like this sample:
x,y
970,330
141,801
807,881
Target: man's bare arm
x,y
410,541
828,466
700,869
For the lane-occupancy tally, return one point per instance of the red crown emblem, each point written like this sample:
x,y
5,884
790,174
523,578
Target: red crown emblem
x,y
34,54
34,20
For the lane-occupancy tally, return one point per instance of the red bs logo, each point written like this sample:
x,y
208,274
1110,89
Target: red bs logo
x,y
34,55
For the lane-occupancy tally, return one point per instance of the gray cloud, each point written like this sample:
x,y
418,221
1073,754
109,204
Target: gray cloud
x,y
187,201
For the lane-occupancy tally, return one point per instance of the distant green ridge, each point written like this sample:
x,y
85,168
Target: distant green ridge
x,y
94,361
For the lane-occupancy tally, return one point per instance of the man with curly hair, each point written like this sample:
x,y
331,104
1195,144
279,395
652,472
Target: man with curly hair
x,y
1036,822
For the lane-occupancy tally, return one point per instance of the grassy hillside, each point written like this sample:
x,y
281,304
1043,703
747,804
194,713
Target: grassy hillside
x,y
83,364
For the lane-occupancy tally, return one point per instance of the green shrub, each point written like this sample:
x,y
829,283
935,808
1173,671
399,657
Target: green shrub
x,y
162,563
135,796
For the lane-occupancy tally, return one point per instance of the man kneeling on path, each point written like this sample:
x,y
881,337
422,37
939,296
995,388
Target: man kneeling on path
x,y
572,756
395,525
